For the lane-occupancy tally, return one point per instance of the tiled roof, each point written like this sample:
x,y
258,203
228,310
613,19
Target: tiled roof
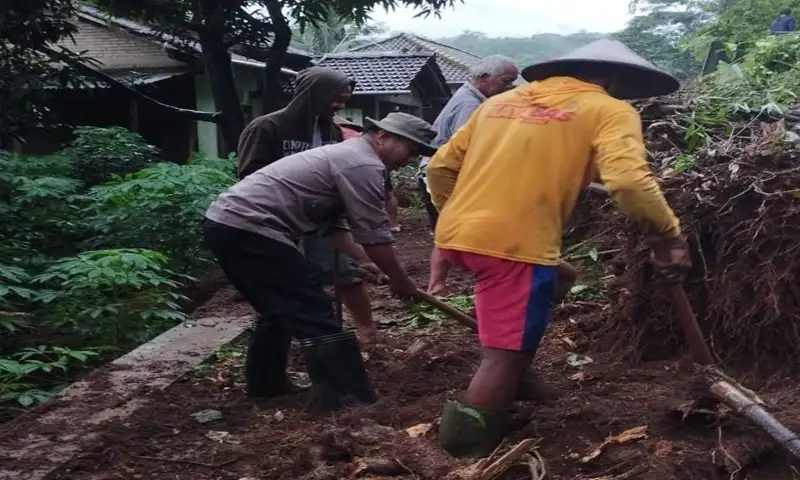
x,y
117,49
454,62
161,41
378,71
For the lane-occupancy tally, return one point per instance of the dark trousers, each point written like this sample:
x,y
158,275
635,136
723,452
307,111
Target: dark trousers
x,y
284,289
433,214
276,279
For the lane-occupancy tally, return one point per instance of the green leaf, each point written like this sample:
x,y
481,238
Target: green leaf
x,y
26,400
471,412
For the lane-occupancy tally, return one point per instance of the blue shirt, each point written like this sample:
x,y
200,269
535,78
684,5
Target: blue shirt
x,y
455,113
782,24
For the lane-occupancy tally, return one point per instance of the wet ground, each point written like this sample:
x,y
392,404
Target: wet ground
x,y
288,438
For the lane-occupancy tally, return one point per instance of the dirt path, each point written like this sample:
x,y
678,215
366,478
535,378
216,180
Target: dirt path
x,y
286,439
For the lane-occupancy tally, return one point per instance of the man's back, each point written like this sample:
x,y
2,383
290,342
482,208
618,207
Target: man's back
x,y
783,24
526,156
300,193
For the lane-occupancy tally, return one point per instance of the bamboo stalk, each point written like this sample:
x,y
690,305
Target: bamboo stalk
x,y
749,408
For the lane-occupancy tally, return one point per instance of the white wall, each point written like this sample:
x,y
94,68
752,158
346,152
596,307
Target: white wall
x,y
206,131
247,80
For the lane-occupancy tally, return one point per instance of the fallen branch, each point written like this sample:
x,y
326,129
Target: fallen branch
x,y
524,453
191,462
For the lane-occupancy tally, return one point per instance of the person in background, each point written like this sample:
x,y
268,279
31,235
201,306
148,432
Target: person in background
x,y
504,185
255,230
350,130
493,75
783,24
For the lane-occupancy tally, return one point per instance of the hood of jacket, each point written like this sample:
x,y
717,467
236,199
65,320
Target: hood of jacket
x,y
554,90
314,90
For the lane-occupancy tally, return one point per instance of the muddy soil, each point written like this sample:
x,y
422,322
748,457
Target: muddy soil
x,y
288,438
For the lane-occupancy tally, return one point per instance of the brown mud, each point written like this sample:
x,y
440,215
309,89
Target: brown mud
x,y
288,438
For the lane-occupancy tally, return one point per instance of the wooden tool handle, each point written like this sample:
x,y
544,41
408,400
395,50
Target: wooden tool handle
x,y
455,313
694,336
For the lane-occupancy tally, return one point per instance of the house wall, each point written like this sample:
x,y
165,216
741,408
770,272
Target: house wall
x,y
454,86
378,106
106,107
248,81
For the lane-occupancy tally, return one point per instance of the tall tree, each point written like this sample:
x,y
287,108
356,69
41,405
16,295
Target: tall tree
x,y
647,36
27,32
334,34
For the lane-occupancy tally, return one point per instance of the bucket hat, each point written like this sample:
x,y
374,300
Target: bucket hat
x,y
638,78
409,127
345,123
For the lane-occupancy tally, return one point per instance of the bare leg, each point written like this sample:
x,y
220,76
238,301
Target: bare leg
x,y
495,383
391,210
532,386
356,299
567,274
437,283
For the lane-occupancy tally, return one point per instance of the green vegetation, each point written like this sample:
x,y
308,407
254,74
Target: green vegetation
x,y
96,243
423,315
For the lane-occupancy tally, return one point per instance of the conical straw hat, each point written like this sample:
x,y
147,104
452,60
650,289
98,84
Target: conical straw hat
x,y
638,78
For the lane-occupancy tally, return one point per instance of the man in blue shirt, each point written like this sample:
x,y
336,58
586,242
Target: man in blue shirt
x,y
783,24
494,74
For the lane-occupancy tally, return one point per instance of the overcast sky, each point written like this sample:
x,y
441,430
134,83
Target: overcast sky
x,y
517,18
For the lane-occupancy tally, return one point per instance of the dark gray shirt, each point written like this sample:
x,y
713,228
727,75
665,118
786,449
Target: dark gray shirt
x,y
327,187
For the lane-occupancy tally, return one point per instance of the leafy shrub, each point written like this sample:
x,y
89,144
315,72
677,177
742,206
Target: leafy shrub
x,y
96,154
60,306
43,213
227,165
112,296
159,208
22,373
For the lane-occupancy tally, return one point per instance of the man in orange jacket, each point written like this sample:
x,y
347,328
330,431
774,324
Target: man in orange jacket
x,y
504,185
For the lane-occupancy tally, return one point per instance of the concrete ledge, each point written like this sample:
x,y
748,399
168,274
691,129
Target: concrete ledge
x,y
37,443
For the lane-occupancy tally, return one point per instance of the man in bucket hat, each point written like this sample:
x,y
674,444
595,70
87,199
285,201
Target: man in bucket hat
x,y
255,229
504,185
350,130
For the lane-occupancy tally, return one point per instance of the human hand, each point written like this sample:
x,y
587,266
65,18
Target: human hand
x,y
670,257
403,287
368,335
374,272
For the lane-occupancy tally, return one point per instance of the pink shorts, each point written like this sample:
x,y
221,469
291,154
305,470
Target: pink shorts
x,y
513,300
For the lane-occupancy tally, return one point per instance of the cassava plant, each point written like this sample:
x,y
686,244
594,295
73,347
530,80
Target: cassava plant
x,y
159,208
97,155
113,297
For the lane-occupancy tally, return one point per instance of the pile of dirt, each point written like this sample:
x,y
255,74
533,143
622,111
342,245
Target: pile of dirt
x,y
736,195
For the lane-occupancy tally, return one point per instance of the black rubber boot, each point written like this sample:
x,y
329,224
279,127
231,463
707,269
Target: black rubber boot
x,y
265,365
337,370
470,432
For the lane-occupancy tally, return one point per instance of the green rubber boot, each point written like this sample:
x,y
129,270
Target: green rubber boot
x,y
471,432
